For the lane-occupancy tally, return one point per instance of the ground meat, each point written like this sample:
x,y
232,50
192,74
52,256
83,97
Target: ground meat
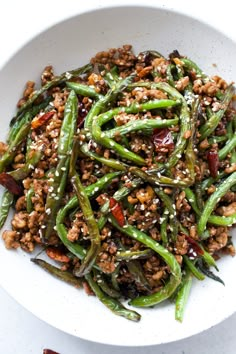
x,y
47,75
218,240
20,220
29,89
11,239
227,210
181,245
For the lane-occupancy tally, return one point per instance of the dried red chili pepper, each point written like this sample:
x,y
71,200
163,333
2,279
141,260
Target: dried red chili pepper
x,y
194,249
49,351
162,139
57,255
117,211
213,162
10,183
41,120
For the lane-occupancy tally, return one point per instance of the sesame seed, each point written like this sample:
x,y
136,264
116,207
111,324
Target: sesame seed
x,y
48,211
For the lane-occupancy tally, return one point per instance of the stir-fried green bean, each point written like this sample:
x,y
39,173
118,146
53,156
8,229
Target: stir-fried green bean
x,y
93,229
55,82
6,203
213,200
182,296
58,273
214,120
113,304
175,278
58,183
127,166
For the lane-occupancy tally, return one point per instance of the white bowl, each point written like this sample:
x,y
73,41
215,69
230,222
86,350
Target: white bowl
x,y
68,45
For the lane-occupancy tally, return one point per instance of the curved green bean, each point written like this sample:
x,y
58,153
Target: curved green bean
x,y
182,296
113,304
175,278
213,200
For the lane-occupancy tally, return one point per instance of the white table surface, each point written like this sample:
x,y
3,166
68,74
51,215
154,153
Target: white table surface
x,y
20,331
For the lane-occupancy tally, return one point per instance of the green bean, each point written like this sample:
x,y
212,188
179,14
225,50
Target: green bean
x,y
102,222
213,200
213,219
140,125
93,229
101,139
127,255
75,248
209,127
102,103
170,78
112,163
19,120
229,146
205,270
22,172
66,276
199,196
190,65
123,191
6,203
58,80
175,278
207,257
19,137
163,230
114,276
190,265
151,54
222,220
17,126
170,210
182,296
229,129
58,183
190,155
135,269
184,119
90,191
233,157
206,183
113,304
83,90
216,139
110,76
159,180
106,288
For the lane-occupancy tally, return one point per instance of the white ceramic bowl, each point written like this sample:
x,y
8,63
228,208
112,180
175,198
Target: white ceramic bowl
x,y
70,44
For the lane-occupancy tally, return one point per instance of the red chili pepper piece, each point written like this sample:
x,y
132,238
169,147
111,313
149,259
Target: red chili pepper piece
x,y
162,139
41,120
10,183
49,351
57,255
117,211
194,249
213,162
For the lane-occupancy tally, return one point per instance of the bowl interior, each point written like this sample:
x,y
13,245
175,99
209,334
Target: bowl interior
x,y
68,45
